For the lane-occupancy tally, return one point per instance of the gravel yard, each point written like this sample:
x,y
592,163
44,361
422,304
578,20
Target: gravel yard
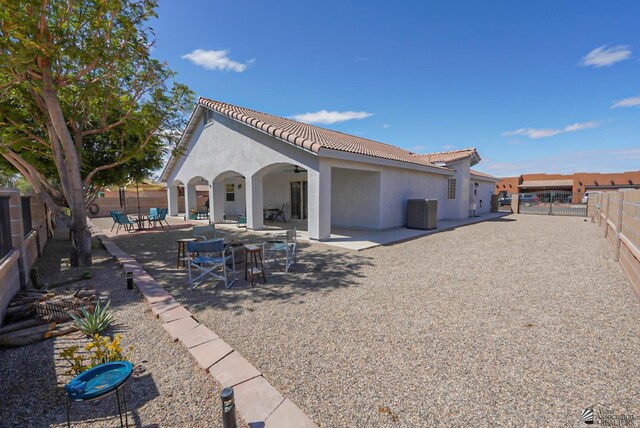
x,y
167,388
524,320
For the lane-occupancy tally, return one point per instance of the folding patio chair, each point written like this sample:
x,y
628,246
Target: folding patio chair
x,y
158,215
242,220
288,246
114,218
211,255
123,221
203,231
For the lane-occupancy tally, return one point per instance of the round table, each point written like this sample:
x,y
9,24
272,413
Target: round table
x,y
98,382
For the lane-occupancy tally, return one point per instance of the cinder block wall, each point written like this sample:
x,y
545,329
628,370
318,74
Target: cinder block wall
x,y
15,267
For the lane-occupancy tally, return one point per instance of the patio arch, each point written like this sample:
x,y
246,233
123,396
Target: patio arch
x,y
196,194
228,195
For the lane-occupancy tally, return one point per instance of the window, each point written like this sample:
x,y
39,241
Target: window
x,y
231,196
26,214
5,228
451,188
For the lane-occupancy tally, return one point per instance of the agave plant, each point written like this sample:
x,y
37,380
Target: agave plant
x,y
96,322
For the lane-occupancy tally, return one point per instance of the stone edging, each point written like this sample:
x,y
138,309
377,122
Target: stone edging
x,y
257,401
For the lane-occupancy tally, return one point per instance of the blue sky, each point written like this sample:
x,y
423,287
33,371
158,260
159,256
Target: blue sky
x,y
538,86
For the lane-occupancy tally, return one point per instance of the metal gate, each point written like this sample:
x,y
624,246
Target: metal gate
x,y
552,202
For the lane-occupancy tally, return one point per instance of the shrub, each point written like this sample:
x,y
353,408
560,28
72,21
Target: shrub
x,y
100,350
96,322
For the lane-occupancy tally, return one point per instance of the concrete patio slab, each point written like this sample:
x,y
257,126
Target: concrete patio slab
x,y
197,336
179,327
232,370
256,399
175,314
359,239
209,353
288,415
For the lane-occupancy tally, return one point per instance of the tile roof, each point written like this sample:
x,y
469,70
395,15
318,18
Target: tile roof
x,y
483,174
314,138
450,156
536,184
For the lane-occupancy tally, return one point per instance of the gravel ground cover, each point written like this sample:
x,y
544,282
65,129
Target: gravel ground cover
x,y
167,388
520,321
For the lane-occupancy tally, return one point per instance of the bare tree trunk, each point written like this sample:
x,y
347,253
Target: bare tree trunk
x,y
80,236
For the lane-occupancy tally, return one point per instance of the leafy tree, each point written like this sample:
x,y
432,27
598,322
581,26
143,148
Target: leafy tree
x,y
82,103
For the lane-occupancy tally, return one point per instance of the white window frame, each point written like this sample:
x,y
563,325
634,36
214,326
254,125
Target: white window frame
x,y
451,188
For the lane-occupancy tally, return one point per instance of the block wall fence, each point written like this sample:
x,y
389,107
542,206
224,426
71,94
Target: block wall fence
x,y
26,247
618,217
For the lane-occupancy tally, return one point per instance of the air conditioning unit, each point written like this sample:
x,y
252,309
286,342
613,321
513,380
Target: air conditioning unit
x,y
422,214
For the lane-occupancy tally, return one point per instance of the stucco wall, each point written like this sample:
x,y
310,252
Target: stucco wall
x,y
355,198
226,145
482,193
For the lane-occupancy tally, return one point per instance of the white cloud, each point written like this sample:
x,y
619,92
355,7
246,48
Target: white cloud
x,y
386,126
536,133
448,147
627,102
605,56
328,117
216,60
361,59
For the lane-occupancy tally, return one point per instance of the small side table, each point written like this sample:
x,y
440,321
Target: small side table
x,y
99,382
254,263
182,250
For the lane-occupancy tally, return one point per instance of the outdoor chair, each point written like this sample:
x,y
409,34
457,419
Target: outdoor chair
x,y
123,221
158,215
201,232
210,255
242,220
114,218
280,214
288,247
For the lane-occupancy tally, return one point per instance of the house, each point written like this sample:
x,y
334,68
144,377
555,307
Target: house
x,y
254,161
575,184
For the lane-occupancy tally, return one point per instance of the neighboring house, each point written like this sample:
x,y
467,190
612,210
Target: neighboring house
x,y
254,161
576,183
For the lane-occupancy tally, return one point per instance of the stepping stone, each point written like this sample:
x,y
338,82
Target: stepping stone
x,y
209,353
256,399
288,415
176,328
197,336
175,314
160,308
232,370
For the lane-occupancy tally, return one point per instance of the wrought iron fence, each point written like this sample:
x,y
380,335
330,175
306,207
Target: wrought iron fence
x,y
552,202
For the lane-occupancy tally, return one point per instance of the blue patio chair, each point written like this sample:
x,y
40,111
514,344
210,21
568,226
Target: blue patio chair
x,y
242,220
114,218
123,221
288,246
210,255
158,215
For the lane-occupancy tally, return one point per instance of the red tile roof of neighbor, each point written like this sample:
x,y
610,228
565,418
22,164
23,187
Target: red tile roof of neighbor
x,y
313,138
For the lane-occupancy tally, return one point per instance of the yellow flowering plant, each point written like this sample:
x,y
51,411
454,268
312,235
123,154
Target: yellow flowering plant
x,y
99,351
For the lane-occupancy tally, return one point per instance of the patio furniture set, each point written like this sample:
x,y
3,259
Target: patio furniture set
x,y
141,221
208,257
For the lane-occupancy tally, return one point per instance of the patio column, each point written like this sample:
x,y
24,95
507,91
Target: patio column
x,y
190,198
319,202
255,203
216,201
172,199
